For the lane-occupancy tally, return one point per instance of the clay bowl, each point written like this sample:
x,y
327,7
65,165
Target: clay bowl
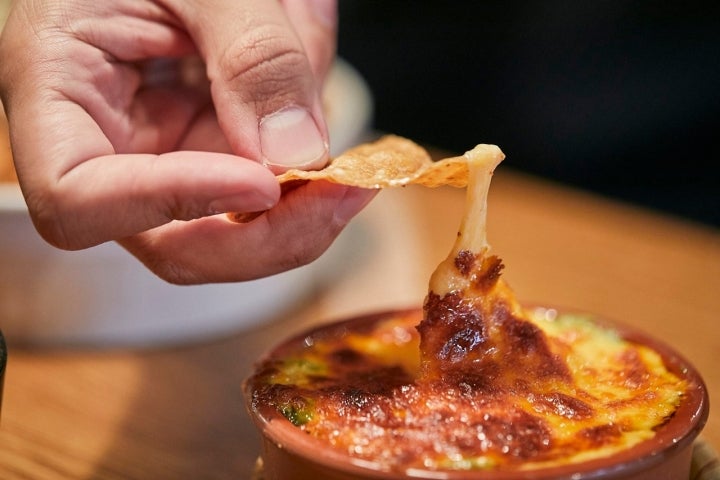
x,y
290,454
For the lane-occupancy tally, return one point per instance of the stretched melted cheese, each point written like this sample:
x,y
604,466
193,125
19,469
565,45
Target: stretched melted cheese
x,y
476,381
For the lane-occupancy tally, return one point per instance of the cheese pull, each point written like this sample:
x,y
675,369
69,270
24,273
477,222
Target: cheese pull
x,y
474,332
460,270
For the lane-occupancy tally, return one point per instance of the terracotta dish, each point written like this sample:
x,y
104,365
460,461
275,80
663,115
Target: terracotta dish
x,y
289,453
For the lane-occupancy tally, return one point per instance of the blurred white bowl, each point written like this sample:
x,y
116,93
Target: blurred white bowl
x,y
104,297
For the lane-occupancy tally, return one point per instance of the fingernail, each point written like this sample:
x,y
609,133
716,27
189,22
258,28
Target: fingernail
x,y
290,138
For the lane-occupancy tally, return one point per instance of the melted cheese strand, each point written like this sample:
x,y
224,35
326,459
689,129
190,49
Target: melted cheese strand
x,y
472,236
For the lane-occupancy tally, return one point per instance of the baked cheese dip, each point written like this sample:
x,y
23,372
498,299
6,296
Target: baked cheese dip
x,y
473,381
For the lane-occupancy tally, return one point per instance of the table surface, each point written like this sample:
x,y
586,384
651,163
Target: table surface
x,y
177,412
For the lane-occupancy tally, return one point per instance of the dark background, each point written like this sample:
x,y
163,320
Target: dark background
x,y
618,97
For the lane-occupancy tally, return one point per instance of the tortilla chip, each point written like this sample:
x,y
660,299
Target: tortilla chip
x,y
392,161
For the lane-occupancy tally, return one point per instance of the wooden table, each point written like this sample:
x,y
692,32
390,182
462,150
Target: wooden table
x,y
177,413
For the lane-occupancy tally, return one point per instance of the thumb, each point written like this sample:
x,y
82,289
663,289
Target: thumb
x,y
262,84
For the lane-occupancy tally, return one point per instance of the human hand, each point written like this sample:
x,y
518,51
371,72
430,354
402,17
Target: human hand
x,y
111,143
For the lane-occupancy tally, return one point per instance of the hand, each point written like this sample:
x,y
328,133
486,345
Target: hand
x,y
118,135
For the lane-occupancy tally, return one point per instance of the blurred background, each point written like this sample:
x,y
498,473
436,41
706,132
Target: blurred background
x,y
621,98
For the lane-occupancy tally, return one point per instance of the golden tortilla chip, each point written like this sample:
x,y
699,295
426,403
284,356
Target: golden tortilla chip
x,y
391,161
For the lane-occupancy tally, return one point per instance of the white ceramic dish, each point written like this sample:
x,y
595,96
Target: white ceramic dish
x,y
104,297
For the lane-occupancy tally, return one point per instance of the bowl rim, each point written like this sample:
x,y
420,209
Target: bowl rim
x,y
671,437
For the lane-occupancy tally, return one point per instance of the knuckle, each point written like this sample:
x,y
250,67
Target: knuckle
x,y
47,216
182,209
149,250
265,57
